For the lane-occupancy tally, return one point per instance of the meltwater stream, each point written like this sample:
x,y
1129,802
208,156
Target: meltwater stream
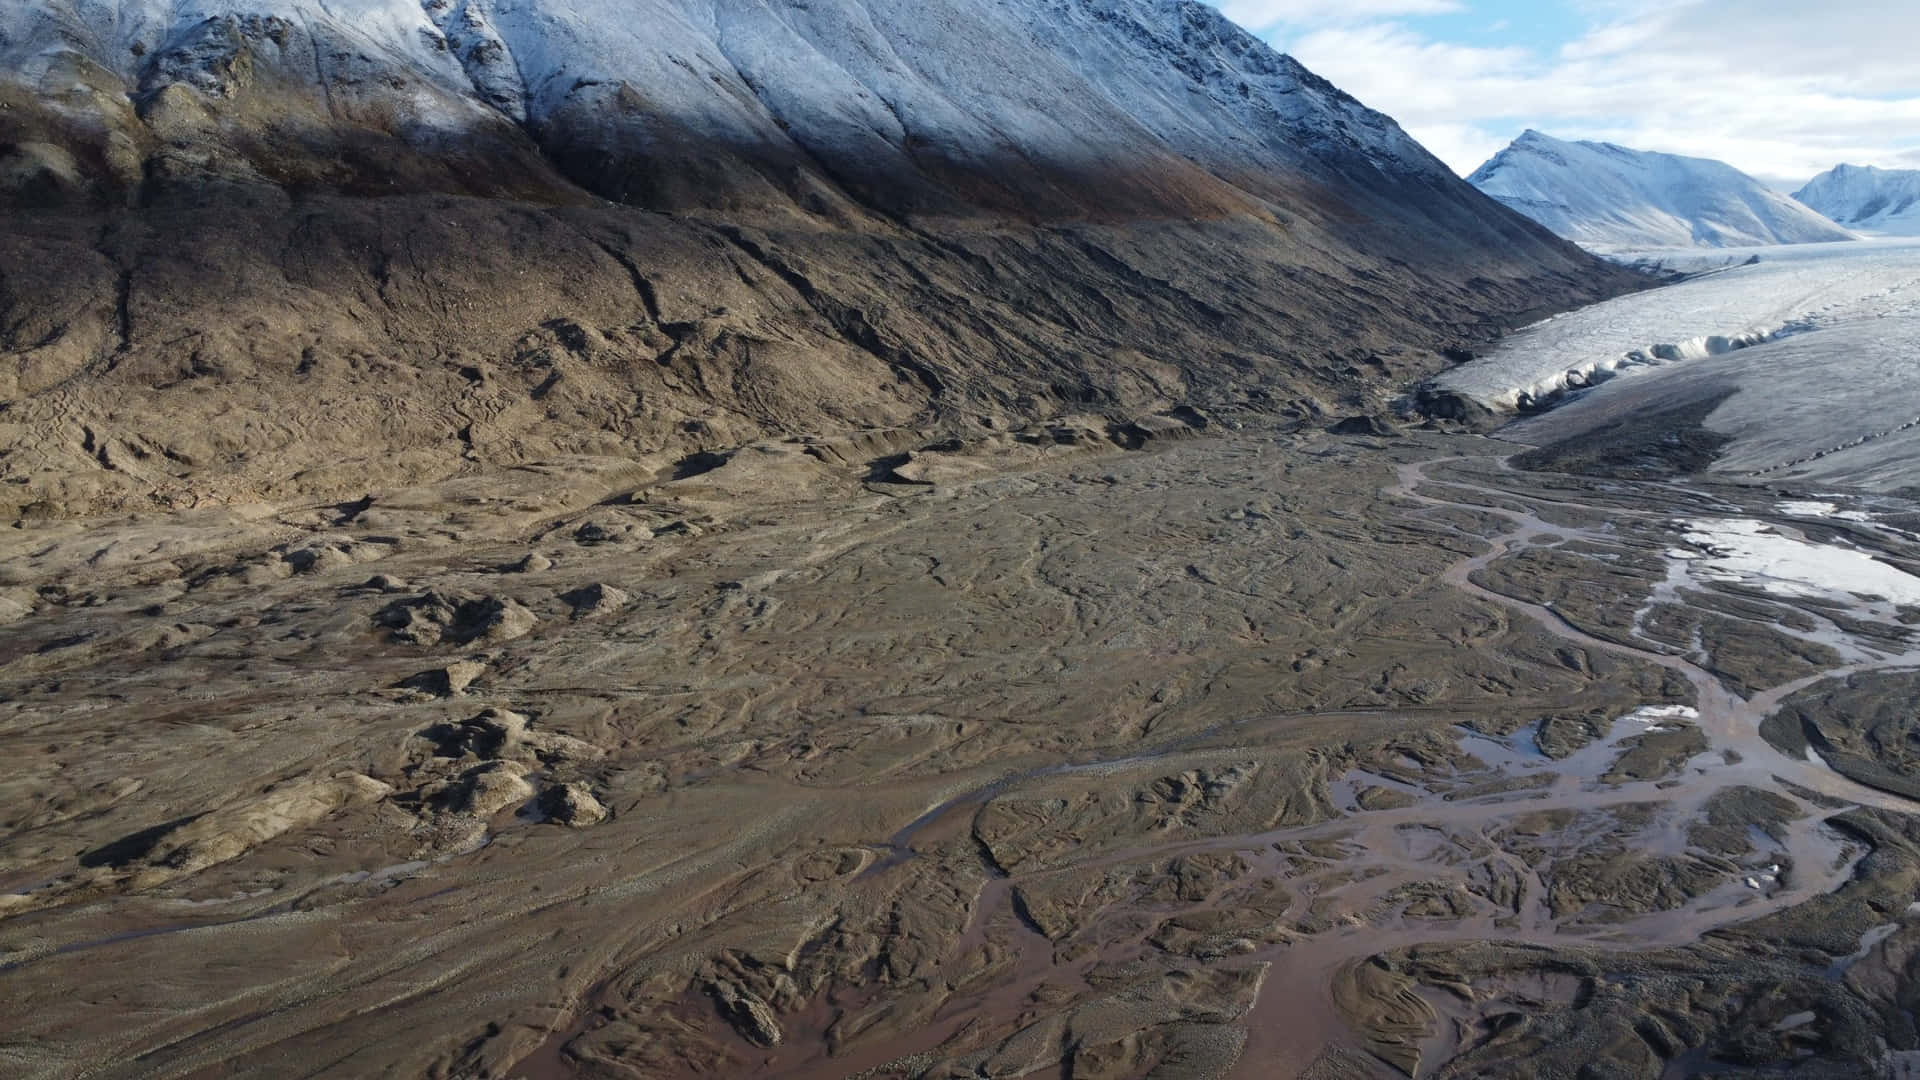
x,y
1454,837
1290,1025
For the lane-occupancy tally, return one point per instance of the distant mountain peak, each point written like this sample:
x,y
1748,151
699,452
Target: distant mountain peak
x,y
1867,198
1613,198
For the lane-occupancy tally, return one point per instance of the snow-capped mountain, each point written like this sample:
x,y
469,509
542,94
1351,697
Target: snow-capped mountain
x,y
406,237
1867,199
1609,198
1047,107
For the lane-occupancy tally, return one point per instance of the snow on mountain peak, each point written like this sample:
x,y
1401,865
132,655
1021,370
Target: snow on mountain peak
x,y
1608,197
1165,99
1870,199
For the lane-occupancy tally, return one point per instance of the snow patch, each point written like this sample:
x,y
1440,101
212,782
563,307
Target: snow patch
x,y
1656,718
1746,551
1814,508
1655,714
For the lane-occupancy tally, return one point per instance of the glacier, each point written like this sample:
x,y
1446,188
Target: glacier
x,y
1736,299
1822,393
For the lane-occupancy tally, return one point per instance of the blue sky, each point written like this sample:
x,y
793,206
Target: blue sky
x,y
1542,25
1780,88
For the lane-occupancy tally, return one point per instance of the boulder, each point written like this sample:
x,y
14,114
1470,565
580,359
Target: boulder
x,y
572,805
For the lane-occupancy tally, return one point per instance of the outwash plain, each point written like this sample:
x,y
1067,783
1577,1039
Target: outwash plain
x,y
523,606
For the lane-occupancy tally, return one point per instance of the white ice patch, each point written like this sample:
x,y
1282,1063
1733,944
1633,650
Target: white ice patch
x,y
1651,714
1659,717
1754,553
1810,508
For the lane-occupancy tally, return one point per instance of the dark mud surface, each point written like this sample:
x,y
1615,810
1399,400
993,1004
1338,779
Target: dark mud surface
x,y
1257,753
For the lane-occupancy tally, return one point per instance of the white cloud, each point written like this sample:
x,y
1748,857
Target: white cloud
x,y
1458,143
1782,90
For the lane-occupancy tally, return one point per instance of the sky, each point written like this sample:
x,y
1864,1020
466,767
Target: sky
x,y
1782,90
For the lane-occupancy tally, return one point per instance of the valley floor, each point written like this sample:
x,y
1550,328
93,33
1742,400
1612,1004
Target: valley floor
x,y
1253,752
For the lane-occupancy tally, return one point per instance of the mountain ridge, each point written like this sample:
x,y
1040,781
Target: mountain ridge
x,y
1614,198
1867,198
745,95
407,241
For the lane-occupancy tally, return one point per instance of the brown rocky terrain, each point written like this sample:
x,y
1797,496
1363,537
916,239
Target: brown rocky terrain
x,y
260,346
1205,759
